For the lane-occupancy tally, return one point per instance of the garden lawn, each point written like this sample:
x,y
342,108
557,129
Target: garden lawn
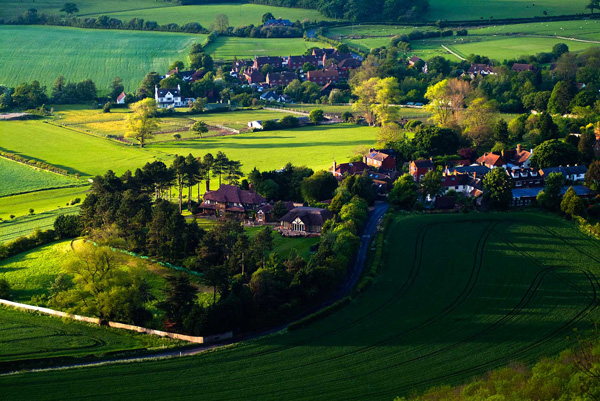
x,y
18,178
284,245
44,52
312,146
27,336
465,10
238,14
228,47
455,296
42,201
25,225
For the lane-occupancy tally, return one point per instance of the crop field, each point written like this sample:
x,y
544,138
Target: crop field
x,y
227,47
87,53
16,178
456,295
42,201
25,225
464,10
239,14
12,8
29,336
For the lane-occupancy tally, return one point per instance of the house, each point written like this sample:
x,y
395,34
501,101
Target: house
x,y
264,213
525,177
380,160
335,57
382,182
324,52
253,76
278,22
346,65
474,170
480,69
296,62
322,77
517,67
275,62
231,199
462,183
255,124
418,168
526,196
571,173
192,76
121,98
517,157
280,78
491,160
271,96
339,170
304,220
414,60
168,97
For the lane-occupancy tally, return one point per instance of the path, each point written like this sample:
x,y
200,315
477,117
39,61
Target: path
x,y
453,53
578,40
352,277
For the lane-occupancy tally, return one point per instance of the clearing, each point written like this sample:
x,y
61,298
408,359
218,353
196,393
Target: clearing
x,y
456,295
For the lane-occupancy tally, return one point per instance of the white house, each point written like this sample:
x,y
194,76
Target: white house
x,y
169,97
255,124
121,98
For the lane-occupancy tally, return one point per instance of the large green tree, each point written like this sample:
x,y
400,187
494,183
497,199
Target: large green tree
x,y
498,188
554,153
141,122
318,187
404,193
550,197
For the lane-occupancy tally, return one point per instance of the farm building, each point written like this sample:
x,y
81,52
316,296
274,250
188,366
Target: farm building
x,y
304,220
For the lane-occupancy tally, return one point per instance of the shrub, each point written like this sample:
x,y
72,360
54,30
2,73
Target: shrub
x,y
5,291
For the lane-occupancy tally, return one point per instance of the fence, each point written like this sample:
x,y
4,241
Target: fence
x,y
175,336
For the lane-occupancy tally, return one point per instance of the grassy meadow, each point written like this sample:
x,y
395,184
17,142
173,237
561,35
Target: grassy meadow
x,y
228,47
11,229
27,336
464,10
42,201
456,295
44,52
239,14
17,178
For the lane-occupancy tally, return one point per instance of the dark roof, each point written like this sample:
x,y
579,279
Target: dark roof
x,y
281,76
454,180
351,168
268,60
424,163
311,216
285,22
415,59
522,67
479,170
321,52
568,170
163,92
580,190
479,68
233,194
349,63
322,73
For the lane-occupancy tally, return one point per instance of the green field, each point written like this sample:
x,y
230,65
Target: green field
x,y
228,47
30,336
456,295
16,178
42,201
44,52
239,14
25,225
464,10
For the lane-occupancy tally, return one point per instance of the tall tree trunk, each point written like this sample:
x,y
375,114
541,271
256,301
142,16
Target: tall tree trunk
x,y
208,184
190,198
180,185
198,191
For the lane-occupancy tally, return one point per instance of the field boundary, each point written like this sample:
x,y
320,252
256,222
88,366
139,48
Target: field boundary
x,y
116,325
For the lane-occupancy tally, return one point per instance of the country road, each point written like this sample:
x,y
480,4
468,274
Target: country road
x,y
369,230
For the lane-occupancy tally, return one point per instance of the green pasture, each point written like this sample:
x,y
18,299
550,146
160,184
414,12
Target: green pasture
x,y
27,336
16,178
44,52
42,201
238,14
12,8
11,229
464,10
228,47
455,296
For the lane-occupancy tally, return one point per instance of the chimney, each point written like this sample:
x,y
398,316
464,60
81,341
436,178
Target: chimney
x,y
178,87
334,166
519,148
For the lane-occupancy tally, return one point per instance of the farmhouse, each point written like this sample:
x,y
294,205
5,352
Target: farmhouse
x,y
168,97
418,168
231,199
304,220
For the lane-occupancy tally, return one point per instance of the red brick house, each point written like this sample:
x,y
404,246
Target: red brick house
x,y
322,77
380,160
280,78
338,170
418,168
491,160
324,52
231,199
275,62
254,76
348,64
296,62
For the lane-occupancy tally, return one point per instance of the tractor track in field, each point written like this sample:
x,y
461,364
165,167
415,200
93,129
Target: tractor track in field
x,y
463,295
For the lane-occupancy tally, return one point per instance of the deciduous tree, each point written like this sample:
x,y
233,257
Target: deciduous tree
x,y
142,123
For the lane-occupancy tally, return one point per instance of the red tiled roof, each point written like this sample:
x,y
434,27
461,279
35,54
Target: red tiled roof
x,y
233,194
351,168
491,159
121,96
